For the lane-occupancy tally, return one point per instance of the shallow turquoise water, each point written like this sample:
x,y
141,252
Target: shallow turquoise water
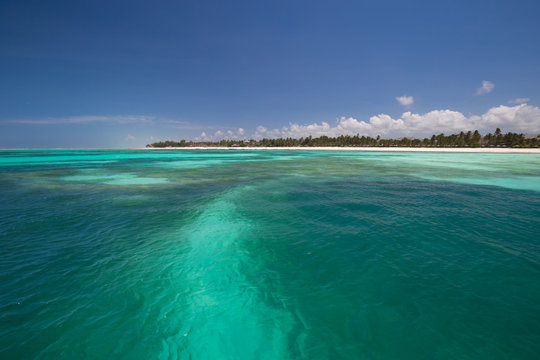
x,y
269,255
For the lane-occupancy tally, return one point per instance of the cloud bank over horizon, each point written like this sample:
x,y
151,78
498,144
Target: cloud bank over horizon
x,y
520,118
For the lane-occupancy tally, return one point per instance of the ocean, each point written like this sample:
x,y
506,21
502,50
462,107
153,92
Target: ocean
x,y
170,254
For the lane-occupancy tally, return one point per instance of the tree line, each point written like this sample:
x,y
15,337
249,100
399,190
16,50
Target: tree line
x,y
468,139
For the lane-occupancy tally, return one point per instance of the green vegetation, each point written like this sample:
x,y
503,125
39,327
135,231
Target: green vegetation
x,y
469,139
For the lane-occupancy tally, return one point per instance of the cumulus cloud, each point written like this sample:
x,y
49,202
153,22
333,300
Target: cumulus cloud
x,y
486,88
405,100
262,132
407,124
130,138
519,101
238,134
522,118
519,118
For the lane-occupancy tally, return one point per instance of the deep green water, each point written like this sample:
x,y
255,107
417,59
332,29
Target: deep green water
x,y
269,255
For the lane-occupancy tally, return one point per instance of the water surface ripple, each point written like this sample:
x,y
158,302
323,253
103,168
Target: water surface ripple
x,y
269,255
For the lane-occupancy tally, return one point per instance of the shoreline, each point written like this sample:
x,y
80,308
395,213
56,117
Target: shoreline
x,y
367,149
320,148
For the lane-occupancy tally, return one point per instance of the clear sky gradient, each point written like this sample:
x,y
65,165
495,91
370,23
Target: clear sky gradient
x,y
126,73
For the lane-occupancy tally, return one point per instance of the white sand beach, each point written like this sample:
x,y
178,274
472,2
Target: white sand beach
x,y
378,149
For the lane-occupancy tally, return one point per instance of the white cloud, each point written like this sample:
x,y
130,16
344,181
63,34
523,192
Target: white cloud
x,y
116,119
262,132
130,138
519,118
383,124
486,88
122,119
519,101
405,100
219,135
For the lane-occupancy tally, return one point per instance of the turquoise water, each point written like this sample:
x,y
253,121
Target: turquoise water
x,y
269,255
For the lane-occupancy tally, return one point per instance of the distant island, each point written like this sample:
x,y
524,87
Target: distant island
x,y
468,139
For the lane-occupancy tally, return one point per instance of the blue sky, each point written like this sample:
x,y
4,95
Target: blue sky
x,y
126,73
